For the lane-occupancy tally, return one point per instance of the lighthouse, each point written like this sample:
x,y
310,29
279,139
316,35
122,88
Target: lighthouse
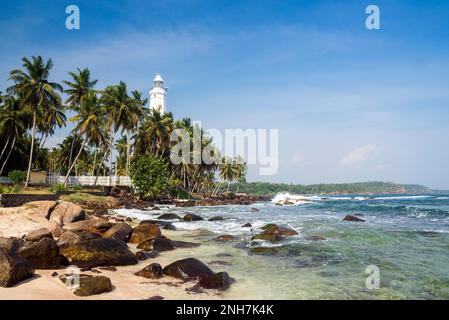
x,y
158,94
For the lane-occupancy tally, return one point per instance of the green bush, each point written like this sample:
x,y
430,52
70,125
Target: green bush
x,y
17,177
59,187
149,176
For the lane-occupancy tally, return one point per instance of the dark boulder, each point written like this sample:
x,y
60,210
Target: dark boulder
x,y
247,225
192,217
119,231
43,254
99,252
143,232
220,281
188,269
254,210
91,285
144,255
216,219
152,271
169,216
269,251
71,237
38,234
184,244
353,218
163,244
156,298
147,245
11,244
13,269
267,236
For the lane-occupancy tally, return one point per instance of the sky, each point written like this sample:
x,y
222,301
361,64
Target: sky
x,y
350,104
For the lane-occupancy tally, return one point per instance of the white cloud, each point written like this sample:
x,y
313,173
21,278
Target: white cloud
x,y
359,155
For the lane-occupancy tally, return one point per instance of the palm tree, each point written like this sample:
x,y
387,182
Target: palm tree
x,y
12,123
240,171
90,125
79,86
154,133
37,93
228,170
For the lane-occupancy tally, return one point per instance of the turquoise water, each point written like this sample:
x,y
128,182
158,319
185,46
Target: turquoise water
x,y
405,237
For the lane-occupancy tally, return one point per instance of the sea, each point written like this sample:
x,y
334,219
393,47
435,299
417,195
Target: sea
x,y
401,251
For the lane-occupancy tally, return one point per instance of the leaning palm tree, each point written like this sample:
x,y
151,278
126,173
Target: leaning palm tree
x,y
228,171
89,125
78,87
37,93
12,123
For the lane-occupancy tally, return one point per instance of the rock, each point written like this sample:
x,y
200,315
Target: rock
x,y
38,234
128,219
220,281
184,244
108,268
144,255
163,244
269,226
91,285
267,236
188,269
247,225
97,225
67,212
120,231
192,217
99,252
185,203
156,298
223,254
146,231
54,274
315,238
281,231
70,237
168,226
220,263
225,237
42,209
55,229
216,219
11,245
43,254
152,271
147,245
155,208
254,210
13,269
264,250
359,215
353,218
169,216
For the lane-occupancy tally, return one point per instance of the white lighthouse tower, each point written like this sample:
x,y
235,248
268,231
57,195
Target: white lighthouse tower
x,y
158,94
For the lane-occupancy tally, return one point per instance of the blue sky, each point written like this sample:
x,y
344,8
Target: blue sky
x,y
350,104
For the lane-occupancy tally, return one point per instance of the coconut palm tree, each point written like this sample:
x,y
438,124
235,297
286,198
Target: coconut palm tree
x,y
240,171
228,171
154,134
37,93
13,120
89,125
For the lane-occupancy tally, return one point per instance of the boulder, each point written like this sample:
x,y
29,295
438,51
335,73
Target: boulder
x,y
216,219
225,237
55,229
269,226
43,254
267,236
147,245
163,244
99,252
93,225
143,232
156,298
120,231
144,255
220,281
247,225
67,212
152,271
192,217
184,244
188,269
281,231
353,218
13,269
71,237
38,234
169,216
41,209
270,251
91,285
11,244
254,210
168,226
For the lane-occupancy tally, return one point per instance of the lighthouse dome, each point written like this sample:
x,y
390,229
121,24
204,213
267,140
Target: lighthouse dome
x,y
158,78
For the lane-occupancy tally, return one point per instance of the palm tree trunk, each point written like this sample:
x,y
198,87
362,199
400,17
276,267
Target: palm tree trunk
x,y
7,157
238,186
71,149
4,148
229,184
33,133
128,147
95,160
110,155
74,161
99,168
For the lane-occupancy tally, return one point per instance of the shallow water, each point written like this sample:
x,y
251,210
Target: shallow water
x,y
406,237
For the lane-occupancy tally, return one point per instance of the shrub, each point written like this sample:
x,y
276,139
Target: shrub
x,y
17,177
149,176
59,187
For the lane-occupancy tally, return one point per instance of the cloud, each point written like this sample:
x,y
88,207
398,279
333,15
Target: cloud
x,y
359,155
298,159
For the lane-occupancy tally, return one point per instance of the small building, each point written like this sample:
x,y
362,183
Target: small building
x,y
38,177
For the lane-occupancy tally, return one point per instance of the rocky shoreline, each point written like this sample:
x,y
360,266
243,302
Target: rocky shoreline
x,y
60,235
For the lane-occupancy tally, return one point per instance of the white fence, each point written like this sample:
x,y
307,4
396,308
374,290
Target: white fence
x,y
83,180
91,180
